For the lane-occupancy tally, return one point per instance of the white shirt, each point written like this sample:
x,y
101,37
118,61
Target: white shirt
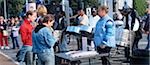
x,y
15,31
93,21
83,19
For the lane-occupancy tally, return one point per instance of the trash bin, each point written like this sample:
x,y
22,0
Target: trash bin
x,y
140,57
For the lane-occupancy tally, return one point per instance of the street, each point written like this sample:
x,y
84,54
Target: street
x,y
8,57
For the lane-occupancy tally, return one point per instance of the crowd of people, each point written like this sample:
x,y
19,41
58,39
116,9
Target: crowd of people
x,y
9,29
37,33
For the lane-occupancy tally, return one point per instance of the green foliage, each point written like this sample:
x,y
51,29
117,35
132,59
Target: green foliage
x,y
90,3
15,7
140,6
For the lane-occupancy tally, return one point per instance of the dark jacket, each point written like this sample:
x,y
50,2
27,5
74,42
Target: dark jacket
x,y
147,23
4,25
62,24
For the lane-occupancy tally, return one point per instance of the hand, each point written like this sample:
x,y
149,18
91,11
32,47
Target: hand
x,y
147,32
2,27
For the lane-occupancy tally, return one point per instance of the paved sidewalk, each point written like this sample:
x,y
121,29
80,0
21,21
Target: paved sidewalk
x,y
5,60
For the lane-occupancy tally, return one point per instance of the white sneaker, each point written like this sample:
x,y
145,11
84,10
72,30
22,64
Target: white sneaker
x,y
2,47
7,47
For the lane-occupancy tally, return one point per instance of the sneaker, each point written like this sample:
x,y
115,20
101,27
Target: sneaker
x,y
2,47
7,47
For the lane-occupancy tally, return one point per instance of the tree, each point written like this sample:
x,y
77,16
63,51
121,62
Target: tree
x,y
15,7
140,6
90,3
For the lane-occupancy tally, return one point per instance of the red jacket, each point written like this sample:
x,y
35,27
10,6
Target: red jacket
x,y
26,32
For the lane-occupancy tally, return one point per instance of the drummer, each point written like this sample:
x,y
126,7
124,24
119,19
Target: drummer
x,y
82,20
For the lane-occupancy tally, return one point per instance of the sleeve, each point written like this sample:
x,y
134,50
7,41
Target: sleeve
x,y
23,33
108,31
49,39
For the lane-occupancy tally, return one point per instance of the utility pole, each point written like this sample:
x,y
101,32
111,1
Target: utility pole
x,y
65,7
5,11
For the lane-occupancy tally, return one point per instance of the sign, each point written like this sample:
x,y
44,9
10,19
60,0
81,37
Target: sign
x,y
88,12
31,6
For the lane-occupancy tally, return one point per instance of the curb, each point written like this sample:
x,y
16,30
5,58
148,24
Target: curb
x,y
17,63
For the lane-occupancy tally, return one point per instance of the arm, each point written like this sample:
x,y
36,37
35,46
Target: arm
x,y
23,33
108,32
49,39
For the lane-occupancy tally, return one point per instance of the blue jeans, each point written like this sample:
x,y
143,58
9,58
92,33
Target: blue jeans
x,y
22,53
46,58
15,42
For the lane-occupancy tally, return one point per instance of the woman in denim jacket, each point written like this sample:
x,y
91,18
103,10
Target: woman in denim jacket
x,y
43,41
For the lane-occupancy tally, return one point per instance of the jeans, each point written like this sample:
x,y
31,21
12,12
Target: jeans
x,y
46,58
22,53
15,42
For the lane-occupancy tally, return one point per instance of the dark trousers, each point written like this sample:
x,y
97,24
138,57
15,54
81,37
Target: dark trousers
x,y
148,39
15,42
135,43
105,60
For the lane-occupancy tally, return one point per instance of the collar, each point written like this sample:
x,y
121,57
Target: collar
x,y
28,21
104,16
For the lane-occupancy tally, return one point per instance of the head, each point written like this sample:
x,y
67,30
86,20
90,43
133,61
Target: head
x,y
1,18
16,18
41,10
31,15
48,20
81,12
94,13
102,11
147,11
62,13
125,3
12,20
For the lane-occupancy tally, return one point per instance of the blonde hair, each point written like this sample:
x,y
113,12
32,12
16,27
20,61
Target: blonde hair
x,y
41,10
103,7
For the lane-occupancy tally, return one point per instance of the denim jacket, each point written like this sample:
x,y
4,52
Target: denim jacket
x,y
43,40
105,32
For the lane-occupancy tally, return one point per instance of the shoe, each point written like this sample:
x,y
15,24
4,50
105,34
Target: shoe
x,y
7,47
2,47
